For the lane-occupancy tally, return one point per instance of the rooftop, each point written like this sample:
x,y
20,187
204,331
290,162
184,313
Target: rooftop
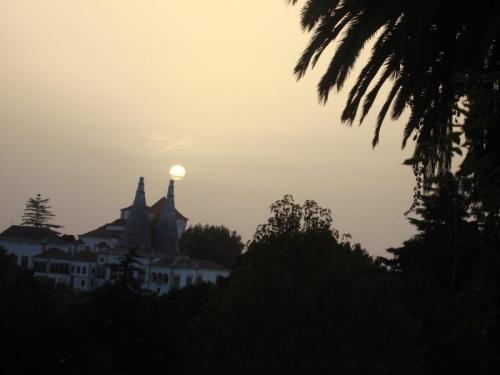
x,y
157,208
85,256
54,253
103,232
24,232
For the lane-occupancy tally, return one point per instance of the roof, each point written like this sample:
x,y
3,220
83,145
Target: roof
x,y
54,253
125,250
185,262
102,232
25,232
171,261
157,208
118,223
85,256
102,244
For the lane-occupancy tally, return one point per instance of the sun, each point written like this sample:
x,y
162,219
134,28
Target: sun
x,y
177,172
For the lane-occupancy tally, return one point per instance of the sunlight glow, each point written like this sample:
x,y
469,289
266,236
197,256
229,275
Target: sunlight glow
x,y
177,172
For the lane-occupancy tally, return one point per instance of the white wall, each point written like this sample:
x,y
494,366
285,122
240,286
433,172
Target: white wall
x,y
92,241
181,227
81,279
209,276
104,258
21,249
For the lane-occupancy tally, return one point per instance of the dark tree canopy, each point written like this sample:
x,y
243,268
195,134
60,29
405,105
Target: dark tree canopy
x,y
429,52
447,245
291,218
127,275
212,242
37,213
300,301
449,281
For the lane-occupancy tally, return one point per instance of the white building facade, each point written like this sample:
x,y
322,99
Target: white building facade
x,y
86,263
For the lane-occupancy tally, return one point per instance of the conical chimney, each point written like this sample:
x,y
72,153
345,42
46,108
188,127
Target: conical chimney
x,y
137,232
167,242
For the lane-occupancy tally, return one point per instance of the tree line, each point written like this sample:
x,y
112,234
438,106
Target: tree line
x,y
301,298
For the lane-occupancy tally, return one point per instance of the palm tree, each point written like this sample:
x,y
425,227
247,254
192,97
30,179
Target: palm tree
x,y
426,50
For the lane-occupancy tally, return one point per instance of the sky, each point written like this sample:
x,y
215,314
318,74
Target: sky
x,y
95,94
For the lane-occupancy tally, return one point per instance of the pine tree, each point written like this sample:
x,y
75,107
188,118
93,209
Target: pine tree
x,y
127,273
37,213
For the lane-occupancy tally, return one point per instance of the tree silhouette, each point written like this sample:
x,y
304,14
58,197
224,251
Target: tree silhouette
x,y
448,284
290,218
300,301
125,274
212,242
428,52
446,246
37,213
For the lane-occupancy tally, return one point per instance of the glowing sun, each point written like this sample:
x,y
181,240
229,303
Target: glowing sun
x,y
177,172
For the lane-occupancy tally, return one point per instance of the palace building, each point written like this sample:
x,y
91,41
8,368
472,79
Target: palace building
x,y
153,232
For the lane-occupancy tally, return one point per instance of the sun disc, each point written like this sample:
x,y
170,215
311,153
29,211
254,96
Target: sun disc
x,y
177,172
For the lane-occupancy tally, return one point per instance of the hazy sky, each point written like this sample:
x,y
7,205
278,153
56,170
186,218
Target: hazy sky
x,y
95,94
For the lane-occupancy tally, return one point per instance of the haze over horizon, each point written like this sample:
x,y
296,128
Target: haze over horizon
x,y
96,94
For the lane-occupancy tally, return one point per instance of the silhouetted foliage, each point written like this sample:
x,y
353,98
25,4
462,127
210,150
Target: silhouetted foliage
x,y
442,62
443,281
434,55
29,319
111,330
37,213
301,301
446,246
212,242
126,275
131,333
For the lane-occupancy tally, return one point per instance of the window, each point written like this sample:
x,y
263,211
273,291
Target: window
x,y
93,271
101,260
199,280
24,261
78,269
82,283
189,280
60,268
157,290
153,277
91,283
72,269
165,278
84,270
